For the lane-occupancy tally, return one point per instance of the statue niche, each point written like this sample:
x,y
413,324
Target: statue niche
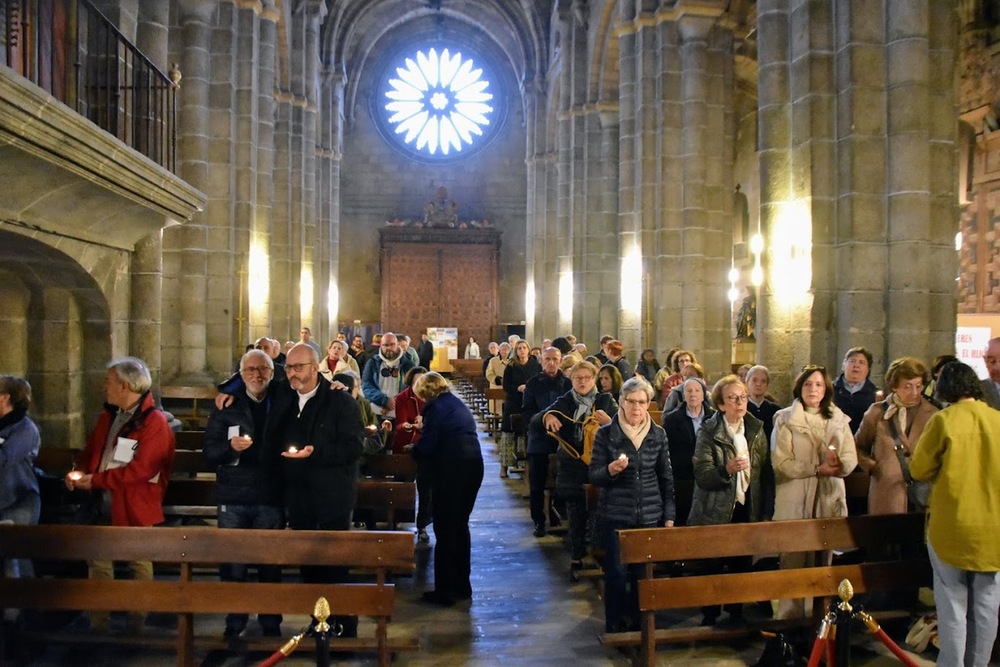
x,y
441,211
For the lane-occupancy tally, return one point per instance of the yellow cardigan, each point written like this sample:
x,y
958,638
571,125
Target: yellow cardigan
x,y
959,451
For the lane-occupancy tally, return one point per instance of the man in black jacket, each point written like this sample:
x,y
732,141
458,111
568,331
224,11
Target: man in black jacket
x,y
320,433
248,484
540,392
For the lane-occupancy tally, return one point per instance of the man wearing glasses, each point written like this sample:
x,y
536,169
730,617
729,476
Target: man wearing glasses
x,y
249,489
382,377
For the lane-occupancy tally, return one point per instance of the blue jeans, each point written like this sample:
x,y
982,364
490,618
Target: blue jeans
x,y
23,512
967,605
265,517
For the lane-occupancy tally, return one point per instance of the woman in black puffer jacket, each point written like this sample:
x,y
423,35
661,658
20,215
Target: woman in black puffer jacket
x,y
631,464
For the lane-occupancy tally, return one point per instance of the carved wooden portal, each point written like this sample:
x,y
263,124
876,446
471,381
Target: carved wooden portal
x,y
440,278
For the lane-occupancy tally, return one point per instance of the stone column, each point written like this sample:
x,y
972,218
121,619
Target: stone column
x,y
186,247
562,234
629,154
329,155
534,104
260,280
707,168
246,101
146,267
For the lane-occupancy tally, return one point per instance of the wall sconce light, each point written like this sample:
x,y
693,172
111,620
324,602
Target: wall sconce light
x,y
734,277
332,304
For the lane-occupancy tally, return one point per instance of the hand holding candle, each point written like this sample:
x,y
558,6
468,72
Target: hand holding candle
x,y
295,452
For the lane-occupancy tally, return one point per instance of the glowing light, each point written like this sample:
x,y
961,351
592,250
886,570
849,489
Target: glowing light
x,y
529,302
566,298
791,253
958,242
438,102
306,292
631,287
734,294
734,275
258,279
757,276
332,303
756,244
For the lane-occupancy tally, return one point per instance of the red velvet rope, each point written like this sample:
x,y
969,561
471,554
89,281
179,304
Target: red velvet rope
x,y
896,651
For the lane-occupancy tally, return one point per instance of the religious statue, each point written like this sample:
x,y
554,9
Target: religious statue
x,y
746,318
441,211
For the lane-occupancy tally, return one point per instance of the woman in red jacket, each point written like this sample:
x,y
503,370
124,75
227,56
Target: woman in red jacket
x,y
409,421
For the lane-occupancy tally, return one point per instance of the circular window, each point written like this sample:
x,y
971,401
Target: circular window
x,y
438,104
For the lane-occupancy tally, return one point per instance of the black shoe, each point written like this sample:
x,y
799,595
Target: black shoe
x,y
440,599
554,520
574,570
271,632
539,529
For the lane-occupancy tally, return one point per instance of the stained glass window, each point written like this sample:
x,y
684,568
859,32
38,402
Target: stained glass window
x,y
439,103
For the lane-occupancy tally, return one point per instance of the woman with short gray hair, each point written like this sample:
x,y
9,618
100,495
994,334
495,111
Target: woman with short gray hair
x,y
631,465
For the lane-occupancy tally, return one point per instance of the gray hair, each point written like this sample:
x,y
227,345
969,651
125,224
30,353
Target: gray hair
x,y
634,384
699,382
133,372
758,369
256,353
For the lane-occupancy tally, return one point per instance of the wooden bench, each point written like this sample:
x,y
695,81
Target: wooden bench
x,y
648,547
378,500
395,467
181,394
377,552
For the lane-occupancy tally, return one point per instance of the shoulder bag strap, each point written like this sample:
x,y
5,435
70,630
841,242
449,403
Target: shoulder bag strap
x,y
900,451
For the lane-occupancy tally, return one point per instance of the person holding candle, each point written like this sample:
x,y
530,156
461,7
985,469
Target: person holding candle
x,y
126,463
248,492
812,450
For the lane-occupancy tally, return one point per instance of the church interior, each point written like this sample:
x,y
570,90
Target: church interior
x,y
182,178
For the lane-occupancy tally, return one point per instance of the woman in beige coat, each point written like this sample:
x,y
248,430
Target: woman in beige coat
x,y
812,450
903,414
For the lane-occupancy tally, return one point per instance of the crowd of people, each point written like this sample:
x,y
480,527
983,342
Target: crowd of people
x,y
732,453
663,444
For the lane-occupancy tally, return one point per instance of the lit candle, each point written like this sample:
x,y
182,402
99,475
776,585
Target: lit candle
x,y
75,475
292,449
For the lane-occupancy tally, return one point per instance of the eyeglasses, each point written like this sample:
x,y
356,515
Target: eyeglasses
x,y
585,378
295,368
259,370
389,372
636,402
736,399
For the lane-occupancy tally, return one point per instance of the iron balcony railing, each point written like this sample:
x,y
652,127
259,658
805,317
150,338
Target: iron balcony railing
x,y
68,48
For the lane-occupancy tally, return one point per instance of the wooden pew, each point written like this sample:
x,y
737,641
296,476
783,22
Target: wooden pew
x,y
395,467
180,395
647,547
377,552
382,500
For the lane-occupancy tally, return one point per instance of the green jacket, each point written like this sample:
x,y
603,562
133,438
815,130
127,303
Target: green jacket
x,y
715,489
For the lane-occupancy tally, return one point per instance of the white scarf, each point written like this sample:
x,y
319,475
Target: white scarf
x,y
738,434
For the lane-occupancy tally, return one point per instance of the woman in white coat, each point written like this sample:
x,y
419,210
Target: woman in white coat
x,y
812,450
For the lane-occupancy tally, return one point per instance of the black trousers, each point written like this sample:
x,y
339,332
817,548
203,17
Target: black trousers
x,y
538,475
455,487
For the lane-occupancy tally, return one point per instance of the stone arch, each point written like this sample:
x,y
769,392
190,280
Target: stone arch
x,y
605,62
56,323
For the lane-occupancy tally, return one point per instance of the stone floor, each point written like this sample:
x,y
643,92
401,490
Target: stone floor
x,y
525,610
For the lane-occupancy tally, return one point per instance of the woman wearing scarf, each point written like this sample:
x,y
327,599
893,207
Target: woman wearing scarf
x,y
19,443
338,361
895,422
631,464
733,478
565,418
